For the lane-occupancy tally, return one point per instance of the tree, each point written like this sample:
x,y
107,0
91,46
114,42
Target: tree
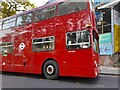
x,y
11,7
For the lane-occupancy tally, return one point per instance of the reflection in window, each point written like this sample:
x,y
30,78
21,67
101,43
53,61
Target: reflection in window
x,y
43,44
79,39
6,48
45,13
24,19
69,7
9,23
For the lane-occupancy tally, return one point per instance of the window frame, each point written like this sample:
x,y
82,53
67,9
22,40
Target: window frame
x,y
82,43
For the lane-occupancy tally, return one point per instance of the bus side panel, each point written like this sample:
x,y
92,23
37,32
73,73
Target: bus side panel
x,y
42,29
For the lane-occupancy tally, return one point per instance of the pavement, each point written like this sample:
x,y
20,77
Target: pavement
x,y
109,70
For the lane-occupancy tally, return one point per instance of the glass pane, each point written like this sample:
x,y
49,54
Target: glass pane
x,y
69,7
6,48
84,37
9,23
45,13
37,40
71,38
63,8
28,17
24,19
49,14
20,21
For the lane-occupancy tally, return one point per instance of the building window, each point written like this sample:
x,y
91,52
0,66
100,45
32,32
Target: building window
x,y
43,44
79,39
104,21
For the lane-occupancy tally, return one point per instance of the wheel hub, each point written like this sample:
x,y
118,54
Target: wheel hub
x,y
50,69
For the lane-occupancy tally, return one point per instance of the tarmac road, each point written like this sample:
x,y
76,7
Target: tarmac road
x,y
18,80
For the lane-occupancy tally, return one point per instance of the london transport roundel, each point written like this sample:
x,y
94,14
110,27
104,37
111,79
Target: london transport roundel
x,y
21,46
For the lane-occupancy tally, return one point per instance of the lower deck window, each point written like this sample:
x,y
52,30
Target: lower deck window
x,y
6,48
43,44
79,39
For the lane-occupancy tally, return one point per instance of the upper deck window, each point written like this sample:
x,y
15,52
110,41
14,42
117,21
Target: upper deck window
x,y
24,19
9,23
45,13
70,7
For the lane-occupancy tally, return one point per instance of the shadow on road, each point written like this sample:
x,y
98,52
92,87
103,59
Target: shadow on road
x,y
35,76
80,80
60,79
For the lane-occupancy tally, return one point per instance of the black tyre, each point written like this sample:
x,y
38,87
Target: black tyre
x,y
51,70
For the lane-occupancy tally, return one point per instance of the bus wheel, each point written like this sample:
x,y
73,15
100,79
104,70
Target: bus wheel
x,y
50,69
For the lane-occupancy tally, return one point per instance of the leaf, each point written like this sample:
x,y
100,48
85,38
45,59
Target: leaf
x,y
12,7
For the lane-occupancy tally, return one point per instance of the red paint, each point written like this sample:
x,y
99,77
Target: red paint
x,y
78,62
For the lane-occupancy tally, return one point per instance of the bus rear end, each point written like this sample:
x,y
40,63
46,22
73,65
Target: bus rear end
x,y
79,56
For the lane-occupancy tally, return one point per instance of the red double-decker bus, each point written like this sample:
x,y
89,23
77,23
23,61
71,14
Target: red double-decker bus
x,y
57,39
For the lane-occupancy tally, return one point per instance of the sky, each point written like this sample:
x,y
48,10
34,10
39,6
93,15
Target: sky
x,y
38,3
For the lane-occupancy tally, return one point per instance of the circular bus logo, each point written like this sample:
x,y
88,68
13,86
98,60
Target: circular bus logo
x,y
21,46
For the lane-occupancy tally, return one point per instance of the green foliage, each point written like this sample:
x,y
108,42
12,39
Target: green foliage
x,y
10,8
